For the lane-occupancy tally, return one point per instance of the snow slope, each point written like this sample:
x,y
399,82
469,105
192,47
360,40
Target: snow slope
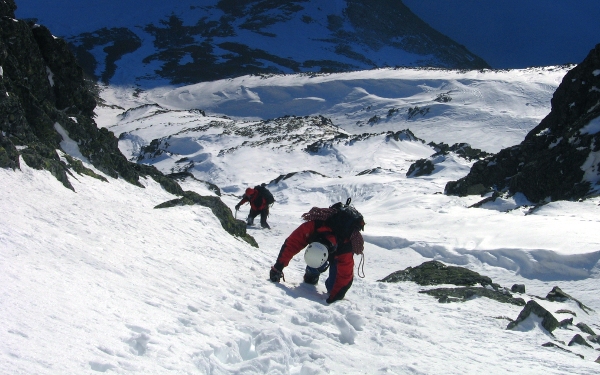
x,y
98,280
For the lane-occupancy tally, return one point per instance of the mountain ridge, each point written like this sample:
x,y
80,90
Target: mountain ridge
x,y
224,39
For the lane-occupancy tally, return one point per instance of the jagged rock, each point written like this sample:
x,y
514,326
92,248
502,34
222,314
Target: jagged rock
x,y
584,328
422,167
597,360
562,311
549,322
436,273
595,339
566,322
556,159
557,295
44,98
447,295
553,345
234,227
7,8
518,288
579,340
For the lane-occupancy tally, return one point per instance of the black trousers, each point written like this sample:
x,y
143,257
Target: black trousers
x,y
263,217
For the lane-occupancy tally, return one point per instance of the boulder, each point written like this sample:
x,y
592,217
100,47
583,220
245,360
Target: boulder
x,y
579,340
518,288
584,328
549,322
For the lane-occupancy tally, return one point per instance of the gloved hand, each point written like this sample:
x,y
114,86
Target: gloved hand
x,y
275,275
237,207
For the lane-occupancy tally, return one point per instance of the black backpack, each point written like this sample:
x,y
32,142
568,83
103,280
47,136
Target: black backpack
x,y
265,193
346,220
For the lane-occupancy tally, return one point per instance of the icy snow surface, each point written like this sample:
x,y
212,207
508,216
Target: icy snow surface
x,y
98,280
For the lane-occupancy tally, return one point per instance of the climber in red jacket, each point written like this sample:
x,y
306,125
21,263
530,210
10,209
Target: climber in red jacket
x,y
258,205
338,228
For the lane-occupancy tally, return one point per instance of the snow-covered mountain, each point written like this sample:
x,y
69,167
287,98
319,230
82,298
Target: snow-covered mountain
x,y
191,41
98,274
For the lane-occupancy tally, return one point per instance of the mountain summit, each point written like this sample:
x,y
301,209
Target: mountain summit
x,y
189,43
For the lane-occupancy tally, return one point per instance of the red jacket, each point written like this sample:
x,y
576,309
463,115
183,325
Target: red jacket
x,y
257,202
311,231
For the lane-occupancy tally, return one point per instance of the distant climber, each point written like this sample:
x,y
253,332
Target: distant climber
x,y
260,199
333,237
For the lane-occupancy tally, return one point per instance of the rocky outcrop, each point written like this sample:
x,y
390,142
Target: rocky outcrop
x,y
446,295
234,227
425,167
560,158
549,322
46,105
557,295
436,273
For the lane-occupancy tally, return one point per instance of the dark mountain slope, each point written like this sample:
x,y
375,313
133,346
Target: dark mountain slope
x,y
227,38
560,158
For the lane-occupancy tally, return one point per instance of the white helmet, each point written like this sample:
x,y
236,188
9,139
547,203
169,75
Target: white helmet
x,y
316,254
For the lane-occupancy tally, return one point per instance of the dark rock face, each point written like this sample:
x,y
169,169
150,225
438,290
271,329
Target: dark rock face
x,y
43,93
435,273
549,322
559,159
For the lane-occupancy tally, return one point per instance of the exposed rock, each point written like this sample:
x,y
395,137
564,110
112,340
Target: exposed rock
x,y
557,159
422,167
595,339
566,322
553,345
518,288
557,295
292,174
549,322
234,227
584,328
45,100
446,295
436,273
562,311
579,340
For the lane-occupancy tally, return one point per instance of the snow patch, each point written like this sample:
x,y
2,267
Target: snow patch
x,y
50,76
596,72
592,127
68,145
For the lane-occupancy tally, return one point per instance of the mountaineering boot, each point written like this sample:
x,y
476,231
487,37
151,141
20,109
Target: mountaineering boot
x,y
311,276
249,220
265,225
